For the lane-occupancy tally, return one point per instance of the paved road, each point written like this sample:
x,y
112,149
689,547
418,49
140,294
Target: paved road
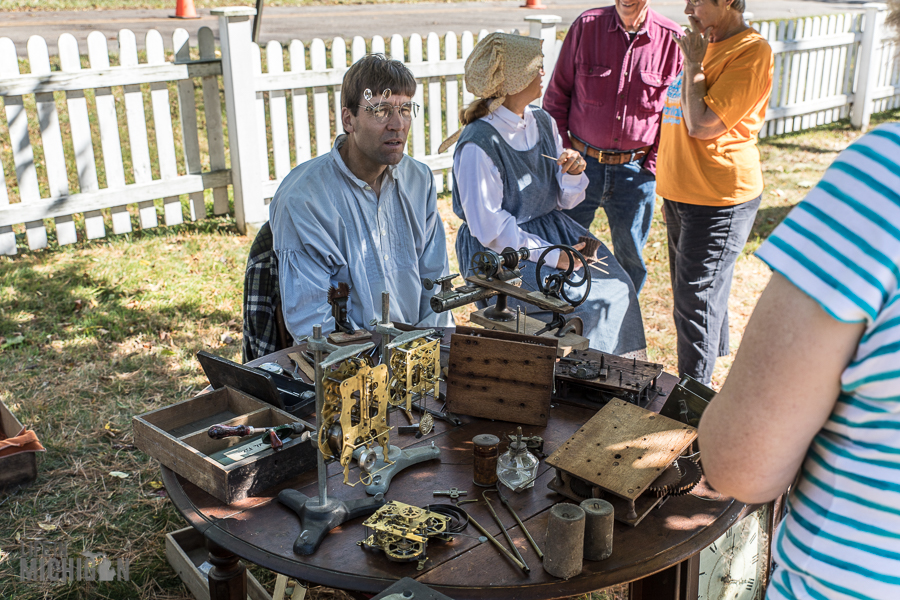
x,y
306,23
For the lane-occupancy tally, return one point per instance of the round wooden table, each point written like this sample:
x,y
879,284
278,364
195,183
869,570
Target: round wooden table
x,y
658,557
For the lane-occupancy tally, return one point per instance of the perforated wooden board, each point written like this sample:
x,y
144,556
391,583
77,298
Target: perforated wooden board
x,y
499,375
623,448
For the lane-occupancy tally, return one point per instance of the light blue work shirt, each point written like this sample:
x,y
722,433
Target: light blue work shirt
x,y
329,227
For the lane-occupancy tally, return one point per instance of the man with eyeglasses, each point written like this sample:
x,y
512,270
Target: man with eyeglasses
x,y
364,214
607,92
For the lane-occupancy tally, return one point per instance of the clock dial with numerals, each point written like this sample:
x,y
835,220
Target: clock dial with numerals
x,y
733,567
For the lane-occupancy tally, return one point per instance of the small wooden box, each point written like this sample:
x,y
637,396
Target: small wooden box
x,y
20,467
187,555
177,437
500,375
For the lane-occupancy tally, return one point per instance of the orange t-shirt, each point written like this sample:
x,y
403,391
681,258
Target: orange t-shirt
x,y
723,171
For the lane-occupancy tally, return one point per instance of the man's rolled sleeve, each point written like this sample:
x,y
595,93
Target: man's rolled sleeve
x,y
309,262
304,288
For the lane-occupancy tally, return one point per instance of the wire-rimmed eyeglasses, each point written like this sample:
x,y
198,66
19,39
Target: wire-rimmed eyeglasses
x,y
383,111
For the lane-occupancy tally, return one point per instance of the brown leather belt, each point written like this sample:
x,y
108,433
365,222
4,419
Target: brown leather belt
x,y
611,158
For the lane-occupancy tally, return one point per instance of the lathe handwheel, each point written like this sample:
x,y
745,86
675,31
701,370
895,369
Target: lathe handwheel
x,y
555,283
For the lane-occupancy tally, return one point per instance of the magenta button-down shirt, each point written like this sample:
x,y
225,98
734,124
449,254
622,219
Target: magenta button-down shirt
x,y
609,89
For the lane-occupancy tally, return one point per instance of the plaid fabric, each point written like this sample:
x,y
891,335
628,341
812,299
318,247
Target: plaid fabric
x,y
261,296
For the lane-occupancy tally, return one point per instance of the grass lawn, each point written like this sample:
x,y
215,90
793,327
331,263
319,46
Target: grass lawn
x,y
95,333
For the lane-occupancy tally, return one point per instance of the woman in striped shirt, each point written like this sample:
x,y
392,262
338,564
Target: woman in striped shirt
x,y
815,386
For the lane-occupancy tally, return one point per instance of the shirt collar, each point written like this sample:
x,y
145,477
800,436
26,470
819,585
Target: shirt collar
x,y
512,119
342,166
616,23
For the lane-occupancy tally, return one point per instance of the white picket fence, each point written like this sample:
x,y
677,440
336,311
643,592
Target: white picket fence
x,y
315,97
58,202
824,64
826,68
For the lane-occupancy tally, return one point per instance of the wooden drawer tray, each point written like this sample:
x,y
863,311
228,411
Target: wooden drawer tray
x,y
187,554
176,436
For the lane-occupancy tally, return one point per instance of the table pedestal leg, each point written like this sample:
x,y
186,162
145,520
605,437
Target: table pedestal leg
x,y
228,577
675,583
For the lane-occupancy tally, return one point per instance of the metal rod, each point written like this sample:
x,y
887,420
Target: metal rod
x,y
386,321
500,547
521,524
320,402
501,525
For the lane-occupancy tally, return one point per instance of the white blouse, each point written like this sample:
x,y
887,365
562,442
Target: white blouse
x,y
480,186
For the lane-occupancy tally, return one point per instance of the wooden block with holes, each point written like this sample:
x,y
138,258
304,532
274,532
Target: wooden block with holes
x,y
566,344
499,375
618,453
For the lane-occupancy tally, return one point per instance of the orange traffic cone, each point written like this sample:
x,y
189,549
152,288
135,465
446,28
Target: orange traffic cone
x,y
533,4
184,9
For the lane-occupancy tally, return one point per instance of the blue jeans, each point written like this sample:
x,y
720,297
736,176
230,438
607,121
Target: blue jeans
x,y
627,193
704,245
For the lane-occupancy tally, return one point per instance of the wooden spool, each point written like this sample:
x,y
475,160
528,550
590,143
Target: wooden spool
x,y
564,546
598,529
486,453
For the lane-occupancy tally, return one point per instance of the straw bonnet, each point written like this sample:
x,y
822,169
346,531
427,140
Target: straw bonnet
x,y
500,65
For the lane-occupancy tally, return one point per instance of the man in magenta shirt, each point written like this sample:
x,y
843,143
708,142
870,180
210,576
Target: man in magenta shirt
x,y
607,92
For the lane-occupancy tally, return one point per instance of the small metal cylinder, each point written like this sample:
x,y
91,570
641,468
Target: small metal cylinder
x,y
385,307
487,450
598,529
564,546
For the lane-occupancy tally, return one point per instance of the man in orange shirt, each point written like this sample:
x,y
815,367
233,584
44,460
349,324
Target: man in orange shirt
x,y
708,171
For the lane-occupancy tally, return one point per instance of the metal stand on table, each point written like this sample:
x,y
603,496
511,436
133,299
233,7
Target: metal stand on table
x,y
320,515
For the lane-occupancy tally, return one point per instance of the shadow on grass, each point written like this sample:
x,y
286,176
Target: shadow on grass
x,y
96,333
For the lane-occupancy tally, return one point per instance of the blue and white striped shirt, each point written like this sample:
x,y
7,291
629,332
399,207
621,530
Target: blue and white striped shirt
x,y
841,246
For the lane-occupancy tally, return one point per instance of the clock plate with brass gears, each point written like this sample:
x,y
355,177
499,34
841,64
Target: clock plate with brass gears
x,y
354,415
585,377
617,455
735,566
416,374
402,531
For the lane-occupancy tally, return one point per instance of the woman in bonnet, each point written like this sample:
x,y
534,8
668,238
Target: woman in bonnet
x,y
509,195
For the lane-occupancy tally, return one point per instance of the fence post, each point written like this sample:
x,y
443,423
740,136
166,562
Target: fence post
x,y
868,67
543,27
240,108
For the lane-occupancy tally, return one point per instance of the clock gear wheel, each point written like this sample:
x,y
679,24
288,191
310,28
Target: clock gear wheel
x,y
581,488
679,478
585,371
396,392
401,549
434,526
341,291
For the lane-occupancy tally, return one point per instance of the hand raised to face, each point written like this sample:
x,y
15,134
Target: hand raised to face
x,y
694,42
